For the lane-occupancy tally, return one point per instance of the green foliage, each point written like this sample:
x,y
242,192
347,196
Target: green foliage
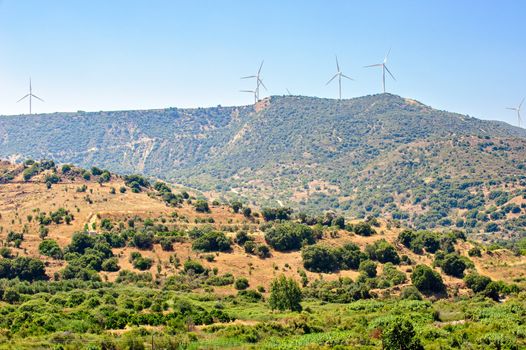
x,y
241,283
289,236
271,214
50,248
452,264
24,268
319,258
383,252
363,229
285,294
213,241
201,206
426,280
400,335
368,268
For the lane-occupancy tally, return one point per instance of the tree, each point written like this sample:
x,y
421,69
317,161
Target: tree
x,y
289,236
383,252
213,241
363,229
477,283
453,265
368,268
201,206
241,283
426,280
285,294
49,247
319,258
236,206
400,335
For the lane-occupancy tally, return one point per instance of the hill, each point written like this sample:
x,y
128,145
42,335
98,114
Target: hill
x,y
379,155
93,254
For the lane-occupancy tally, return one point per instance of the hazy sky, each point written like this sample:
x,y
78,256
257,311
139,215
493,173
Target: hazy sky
x,y
462,56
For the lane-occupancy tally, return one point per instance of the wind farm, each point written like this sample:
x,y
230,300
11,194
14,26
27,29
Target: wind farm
x,y
30,97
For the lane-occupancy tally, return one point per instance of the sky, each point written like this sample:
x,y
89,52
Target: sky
x,y
462,56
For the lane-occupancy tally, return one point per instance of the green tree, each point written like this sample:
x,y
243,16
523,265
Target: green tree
x,y
285,294
400,335
426,280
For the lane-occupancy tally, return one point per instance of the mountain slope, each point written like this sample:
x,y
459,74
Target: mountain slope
x,y
365,156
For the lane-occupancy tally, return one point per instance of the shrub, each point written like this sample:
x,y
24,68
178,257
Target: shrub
x,y
110,265
50,248
262,251
201,206
477,283
195,266
26,269
350,256
368,268
426,280
319,258
143,240
382,252
289,236
212,241
363,229
285,294
242,237
410,293
475,251
250,247
452,264
241,283
271,214
400,335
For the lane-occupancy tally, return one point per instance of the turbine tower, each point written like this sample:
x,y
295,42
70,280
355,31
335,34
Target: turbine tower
x,y
339,74
259,82
30,95
518,110
252,92
384,68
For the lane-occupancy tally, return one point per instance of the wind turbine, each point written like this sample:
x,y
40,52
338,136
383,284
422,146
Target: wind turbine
x,y
339,74
259,82
518,110
384,68
30,95
252,92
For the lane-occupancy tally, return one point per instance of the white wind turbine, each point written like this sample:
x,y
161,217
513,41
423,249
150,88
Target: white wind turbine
x,y
259,82
339,74
518,110
384,68
30,95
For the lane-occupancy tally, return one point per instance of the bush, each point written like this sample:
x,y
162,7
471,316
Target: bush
x,y
271,214
319,258
350,256
143,240
410,293
24,268
426,280
195,266
212,241
285,294
452,264
368,268
477,283
141,263
289,236
262,251
110,265
363,229
50,248
241,283
242,237
475,251
201,206
400,335
382,252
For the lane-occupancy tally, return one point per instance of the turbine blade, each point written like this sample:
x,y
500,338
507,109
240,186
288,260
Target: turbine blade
x,y
337,64
522,102
387,56
261,83
335,75
388,71
343,75
249,77
38,98
373,65
261,66
511,108
288,91
26,96
251,91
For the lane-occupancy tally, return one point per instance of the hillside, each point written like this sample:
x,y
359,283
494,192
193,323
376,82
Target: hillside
x,y
379,155
121,252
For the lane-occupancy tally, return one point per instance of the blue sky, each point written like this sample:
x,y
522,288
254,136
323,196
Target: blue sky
x,y
463,56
